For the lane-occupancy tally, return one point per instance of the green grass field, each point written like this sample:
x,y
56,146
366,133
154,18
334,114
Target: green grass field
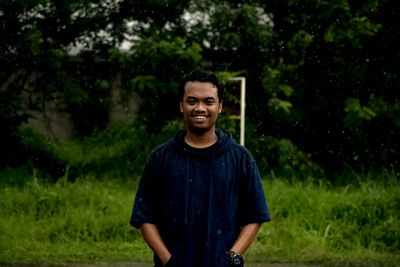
x,y
87,221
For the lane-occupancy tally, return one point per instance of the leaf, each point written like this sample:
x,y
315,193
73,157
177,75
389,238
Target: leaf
x,y
280,105
142,83
356,114
286,89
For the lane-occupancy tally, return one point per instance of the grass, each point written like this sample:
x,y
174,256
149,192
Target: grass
x,y
87,220
314,222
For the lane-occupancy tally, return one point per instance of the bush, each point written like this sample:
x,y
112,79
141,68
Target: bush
x,y
280,157
120,151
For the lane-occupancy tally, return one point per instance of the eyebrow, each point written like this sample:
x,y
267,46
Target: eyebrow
x,y
195,98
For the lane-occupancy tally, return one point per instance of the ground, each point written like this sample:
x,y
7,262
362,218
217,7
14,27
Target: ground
x,y
145,264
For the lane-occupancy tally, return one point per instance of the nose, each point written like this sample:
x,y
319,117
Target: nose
x,y
200,107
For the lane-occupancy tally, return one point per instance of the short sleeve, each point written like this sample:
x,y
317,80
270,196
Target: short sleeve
x,y
145,205
252,203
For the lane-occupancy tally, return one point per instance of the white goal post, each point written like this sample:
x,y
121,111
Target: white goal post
x,y
242,106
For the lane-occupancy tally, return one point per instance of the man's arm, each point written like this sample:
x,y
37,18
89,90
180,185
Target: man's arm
x,y
153,238
245,238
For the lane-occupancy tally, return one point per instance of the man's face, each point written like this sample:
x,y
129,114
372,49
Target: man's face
x,y
200,106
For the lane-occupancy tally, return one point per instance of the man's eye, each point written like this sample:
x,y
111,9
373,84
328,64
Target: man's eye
x,y
190,102
210,102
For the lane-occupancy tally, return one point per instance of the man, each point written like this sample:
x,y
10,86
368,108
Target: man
x,y
200,200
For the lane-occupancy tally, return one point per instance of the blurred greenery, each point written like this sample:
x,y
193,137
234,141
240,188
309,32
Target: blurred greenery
x,y
119,151
322,76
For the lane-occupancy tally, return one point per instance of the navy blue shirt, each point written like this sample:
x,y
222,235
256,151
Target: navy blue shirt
x,y
200,198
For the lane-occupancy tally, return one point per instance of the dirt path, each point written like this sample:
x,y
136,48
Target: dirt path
x,y
145,264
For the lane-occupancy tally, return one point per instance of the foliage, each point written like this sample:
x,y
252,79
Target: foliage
x,y
120,151
321,75
328,54
280,157
38,39
158,87
313,222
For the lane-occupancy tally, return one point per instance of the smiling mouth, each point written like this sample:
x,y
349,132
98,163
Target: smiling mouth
x,y
200,117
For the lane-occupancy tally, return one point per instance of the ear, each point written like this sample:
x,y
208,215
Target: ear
x,y
181,106
220,107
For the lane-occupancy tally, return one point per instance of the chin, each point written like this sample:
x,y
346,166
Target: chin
x,y
200,130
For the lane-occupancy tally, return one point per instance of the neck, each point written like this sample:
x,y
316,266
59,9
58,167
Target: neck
x,y
201,139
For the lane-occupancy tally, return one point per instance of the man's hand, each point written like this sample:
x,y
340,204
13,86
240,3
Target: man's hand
x,y
153,238
245,238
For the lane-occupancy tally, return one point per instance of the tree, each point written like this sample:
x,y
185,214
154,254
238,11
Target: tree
x,y
36,39
330,53
320,83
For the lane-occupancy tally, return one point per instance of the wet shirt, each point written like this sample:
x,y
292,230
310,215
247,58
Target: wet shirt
x,y
199,198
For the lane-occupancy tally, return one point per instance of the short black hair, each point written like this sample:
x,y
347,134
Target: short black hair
x,y
201,76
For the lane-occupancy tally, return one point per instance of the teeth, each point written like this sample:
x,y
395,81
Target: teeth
x,y
199,117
